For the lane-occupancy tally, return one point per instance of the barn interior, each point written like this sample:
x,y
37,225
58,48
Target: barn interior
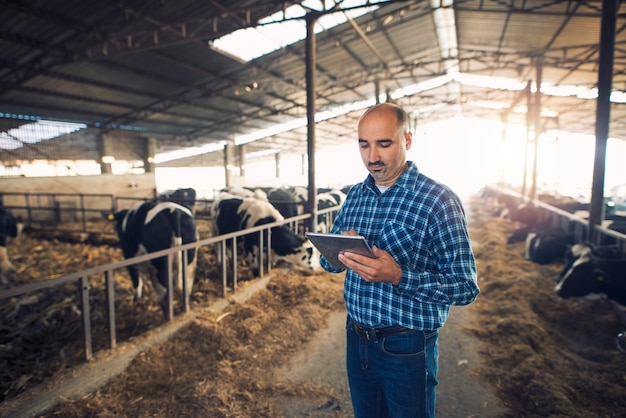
x,y
112,93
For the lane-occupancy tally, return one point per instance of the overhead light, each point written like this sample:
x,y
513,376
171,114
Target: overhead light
x,y
108,159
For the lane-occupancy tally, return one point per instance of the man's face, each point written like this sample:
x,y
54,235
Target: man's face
x,y
383,146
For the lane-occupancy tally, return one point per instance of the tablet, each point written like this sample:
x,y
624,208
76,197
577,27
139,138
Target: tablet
x,y
331,245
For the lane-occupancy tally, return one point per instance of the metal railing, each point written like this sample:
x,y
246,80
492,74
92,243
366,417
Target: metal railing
x,y
569,222
71,212
82,278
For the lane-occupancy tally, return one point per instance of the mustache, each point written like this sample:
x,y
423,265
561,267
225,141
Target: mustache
x,y
376,164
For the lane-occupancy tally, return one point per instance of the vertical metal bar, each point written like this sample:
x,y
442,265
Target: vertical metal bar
x,y
83,217
85,310
234,264
261,251
537,122
169,301
269,251
603,110
186,290
224,267
529,112
110,301
311,204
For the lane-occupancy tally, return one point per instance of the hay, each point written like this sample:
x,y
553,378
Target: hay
x,y
225,368
546,356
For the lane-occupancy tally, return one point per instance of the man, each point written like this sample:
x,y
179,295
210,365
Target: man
x,y
397,301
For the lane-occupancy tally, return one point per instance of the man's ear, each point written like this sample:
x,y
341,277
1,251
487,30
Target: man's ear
x,y
408,140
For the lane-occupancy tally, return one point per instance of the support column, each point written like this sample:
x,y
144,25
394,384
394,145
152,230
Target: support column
x,y
229,163
241,152
105,153
148,161
529,118
603,111
311,206
538,129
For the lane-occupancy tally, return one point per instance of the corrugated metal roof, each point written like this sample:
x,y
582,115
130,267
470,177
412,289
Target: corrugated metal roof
x,y
145,68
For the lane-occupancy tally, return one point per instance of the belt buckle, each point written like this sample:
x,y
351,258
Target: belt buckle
x,y
368,334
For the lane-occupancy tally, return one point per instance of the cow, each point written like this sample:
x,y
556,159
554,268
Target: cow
x,y
617,225
290,202
256,193
329,199
592,271
579,249
284,201
10,227
154,226
545,246
527,214
500,204
233,213
184,196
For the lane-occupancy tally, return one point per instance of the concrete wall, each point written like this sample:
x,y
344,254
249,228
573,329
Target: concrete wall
x,y
96,192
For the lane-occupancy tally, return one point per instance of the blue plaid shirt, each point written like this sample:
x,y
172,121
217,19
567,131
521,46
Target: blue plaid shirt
x,y
422,224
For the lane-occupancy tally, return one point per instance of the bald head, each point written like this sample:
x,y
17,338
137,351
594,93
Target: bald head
x,y
384,139
400,115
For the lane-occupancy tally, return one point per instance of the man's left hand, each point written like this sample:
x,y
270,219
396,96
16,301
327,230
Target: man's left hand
x,y
382,269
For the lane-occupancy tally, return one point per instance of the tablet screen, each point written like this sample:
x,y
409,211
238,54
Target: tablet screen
x,y
331,245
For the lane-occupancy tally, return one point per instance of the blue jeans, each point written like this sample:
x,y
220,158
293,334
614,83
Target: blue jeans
x,y
394,376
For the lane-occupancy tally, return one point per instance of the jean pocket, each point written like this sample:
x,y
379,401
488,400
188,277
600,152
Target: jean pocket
x,y
404,345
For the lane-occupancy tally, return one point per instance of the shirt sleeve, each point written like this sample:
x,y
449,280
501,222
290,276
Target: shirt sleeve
x,y
452,278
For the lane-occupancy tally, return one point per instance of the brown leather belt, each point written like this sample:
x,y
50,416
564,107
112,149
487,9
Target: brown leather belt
x,y
382,332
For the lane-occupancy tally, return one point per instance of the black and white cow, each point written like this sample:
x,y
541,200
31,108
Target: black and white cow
x,y
290,201
154,226
184,196
234,213
285,201
546,246
593,271
10,227
325,200
256,192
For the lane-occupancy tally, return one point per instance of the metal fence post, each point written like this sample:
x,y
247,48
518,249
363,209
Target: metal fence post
x,y
83,287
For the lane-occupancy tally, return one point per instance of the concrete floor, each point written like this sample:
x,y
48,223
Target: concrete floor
x,y
459,395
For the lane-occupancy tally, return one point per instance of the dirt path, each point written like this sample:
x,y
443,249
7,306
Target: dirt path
x,y
460,394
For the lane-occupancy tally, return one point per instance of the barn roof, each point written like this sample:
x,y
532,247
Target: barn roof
x,y
140,68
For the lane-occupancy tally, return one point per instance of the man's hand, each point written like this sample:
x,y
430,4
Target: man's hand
x,y
382,269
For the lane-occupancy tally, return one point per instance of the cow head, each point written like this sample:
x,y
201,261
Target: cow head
x,y
118,218
306,258
581,279
291,248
